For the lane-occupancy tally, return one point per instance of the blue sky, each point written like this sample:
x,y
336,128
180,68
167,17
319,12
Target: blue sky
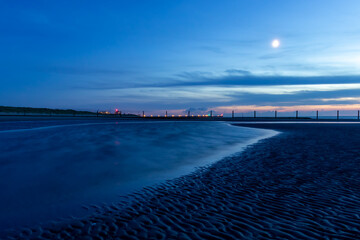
x,y
179,55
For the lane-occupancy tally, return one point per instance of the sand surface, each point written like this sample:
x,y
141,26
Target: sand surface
x,y
302,184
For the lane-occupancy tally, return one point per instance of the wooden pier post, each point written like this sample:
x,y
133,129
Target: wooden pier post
x,y
165,113
297,114
317,115
233,114
337,113
358,114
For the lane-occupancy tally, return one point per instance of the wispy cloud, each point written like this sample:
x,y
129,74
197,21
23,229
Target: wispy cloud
x,y
212,49
238,72
232,88
230,78
84,71
341,99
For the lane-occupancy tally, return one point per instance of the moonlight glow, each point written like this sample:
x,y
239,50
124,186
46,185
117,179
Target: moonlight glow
x,y
275,43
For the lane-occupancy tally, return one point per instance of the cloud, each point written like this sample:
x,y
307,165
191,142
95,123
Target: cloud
x,y
84,71
238,72
341,99
275,80
193,80
233,87
196,110
211,49
300,97
194,75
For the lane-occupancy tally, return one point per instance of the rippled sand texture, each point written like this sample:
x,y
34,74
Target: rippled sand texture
x,y
302,184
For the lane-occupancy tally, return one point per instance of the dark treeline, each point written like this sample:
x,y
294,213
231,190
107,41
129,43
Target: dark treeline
x,y
6,109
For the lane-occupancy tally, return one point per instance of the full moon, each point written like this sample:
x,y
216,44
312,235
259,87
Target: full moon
x,y
275,43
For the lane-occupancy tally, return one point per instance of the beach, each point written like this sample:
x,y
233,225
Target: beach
x,y
303,183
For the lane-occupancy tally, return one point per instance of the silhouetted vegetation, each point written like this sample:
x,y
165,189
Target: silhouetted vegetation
x,y
29,110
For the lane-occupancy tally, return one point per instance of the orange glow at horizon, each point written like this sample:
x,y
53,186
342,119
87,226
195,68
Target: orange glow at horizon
x,y
248,108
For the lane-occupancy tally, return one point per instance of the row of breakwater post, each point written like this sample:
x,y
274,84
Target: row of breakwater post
x,y
244,115
296,115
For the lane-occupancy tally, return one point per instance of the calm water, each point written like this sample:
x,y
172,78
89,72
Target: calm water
x,y
49,169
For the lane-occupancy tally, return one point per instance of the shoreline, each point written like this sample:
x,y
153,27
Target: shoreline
x,y
114,174
303,183
332,119
224,151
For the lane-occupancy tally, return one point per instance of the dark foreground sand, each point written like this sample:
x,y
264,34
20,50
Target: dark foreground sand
x,y
301,184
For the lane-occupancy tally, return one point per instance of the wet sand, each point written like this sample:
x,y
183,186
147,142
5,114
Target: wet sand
x,y
301,184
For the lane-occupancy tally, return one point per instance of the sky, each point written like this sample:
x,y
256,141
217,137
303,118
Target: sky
x,y
197,55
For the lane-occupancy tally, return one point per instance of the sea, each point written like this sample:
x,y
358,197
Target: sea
x,y
51,169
